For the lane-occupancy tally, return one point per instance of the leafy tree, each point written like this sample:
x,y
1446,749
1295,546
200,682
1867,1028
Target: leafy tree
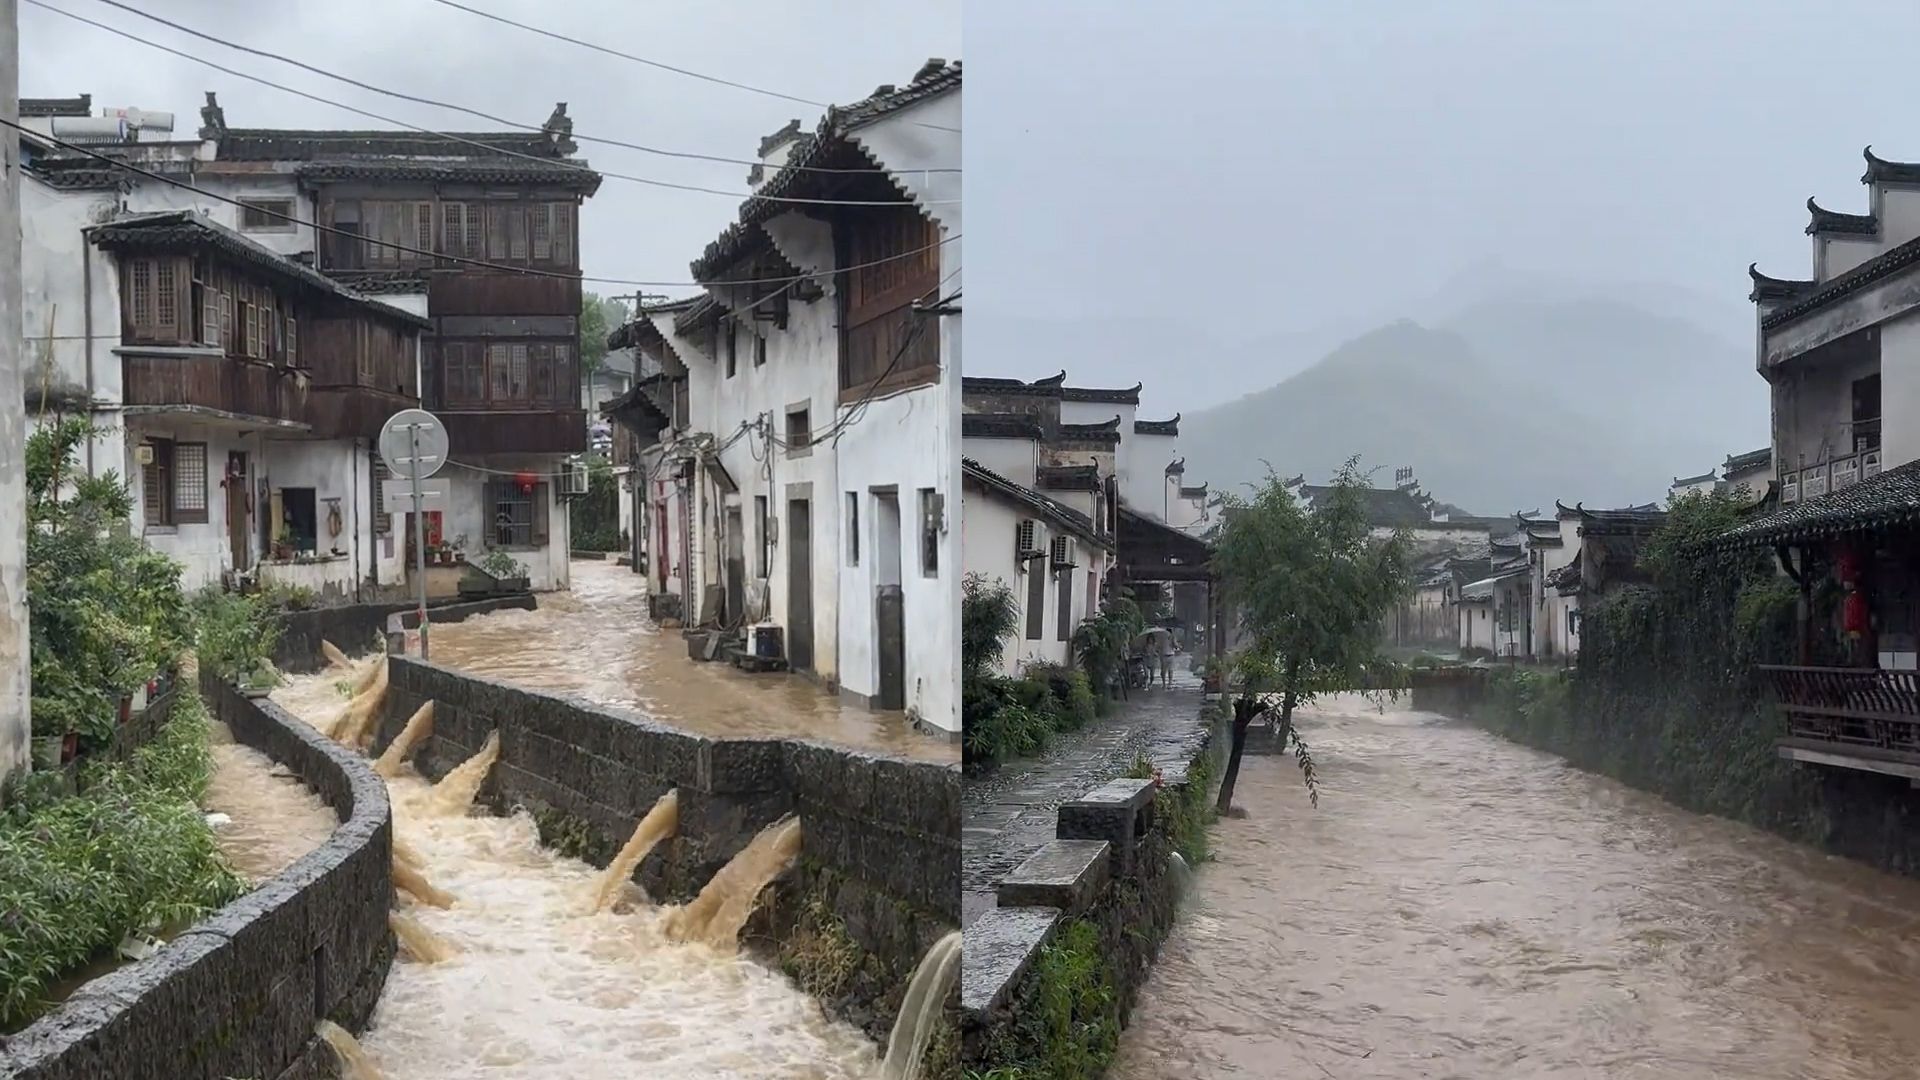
x,y
989,615
1309,590
598,316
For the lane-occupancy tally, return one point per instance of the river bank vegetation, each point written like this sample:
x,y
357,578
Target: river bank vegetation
x,y
105,847
1664,695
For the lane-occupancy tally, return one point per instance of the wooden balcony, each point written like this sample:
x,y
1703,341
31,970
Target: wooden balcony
x,y
204,381
1856,718
550,431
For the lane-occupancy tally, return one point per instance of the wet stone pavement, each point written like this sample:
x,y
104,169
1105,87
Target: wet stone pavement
x,y
1010,814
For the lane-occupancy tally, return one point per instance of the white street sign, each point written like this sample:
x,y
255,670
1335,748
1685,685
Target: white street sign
x,y
413,443
434,494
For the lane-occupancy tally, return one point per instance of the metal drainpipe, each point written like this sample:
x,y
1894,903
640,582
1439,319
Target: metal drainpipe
x,y
86,316
353,471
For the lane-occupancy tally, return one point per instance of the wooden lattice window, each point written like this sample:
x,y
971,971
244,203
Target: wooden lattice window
x,y
157,304
897,262
156,483
190,483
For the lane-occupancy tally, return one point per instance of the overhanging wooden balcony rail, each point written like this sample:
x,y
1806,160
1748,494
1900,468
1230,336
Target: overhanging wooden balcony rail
x,y
1849,712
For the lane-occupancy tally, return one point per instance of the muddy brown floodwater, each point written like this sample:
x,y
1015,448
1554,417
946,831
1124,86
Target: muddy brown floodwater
x,y
1460,906
273,818
596,641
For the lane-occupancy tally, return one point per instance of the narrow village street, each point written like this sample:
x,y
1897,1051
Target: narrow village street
x,y
1460,906
1009,815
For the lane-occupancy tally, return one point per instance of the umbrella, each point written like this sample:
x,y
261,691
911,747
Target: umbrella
x,y
1149,639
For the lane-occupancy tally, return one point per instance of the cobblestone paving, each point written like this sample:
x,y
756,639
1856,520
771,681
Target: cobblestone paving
x,y
1010,814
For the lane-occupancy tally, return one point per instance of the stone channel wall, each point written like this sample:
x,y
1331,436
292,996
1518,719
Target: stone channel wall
x,y
1110,866
239,994
881,836
355,627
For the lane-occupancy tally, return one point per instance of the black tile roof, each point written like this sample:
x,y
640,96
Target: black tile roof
x,y
821,149
290,144
1177,467
178,230
1157,427
1069,477
1889,499
1121,396
1710,474
1193,492
623,335
705,309
1566,578
73,106
1051,386
1832,221
1388,508
378,284
1107,433
1773,288
999,426
1887,264
568,173
1052,510
1752,459
64,177
1878,169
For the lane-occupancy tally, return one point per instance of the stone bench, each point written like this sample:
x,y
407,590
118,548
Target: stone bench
x,y
998,949
1119,811
1065,874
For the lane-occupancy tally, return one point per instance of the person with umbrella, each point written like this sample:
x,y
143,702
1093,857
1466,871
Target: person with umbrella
x,y
1157,642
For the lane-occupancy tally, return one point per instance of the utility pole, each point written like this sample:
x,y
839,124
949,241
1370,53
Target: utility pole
x,y
16,726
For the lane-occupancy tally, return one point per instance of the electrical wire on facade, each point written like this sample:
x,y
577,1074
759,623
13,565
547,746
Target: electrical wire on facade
x,y
441,256
492,150
402,96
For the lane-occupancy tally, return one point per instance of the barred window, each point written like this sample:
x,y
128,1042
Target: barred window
x,y
190,483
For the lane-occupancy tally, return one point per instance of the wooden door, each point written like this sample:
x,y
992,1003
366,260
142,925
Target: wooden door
x,y
800,584
237,492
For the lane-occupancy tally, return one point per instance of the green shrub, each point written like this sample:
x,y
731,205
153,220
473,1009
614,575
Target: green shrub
x,y
107,611
235,633
989,614
1071,1029
131,853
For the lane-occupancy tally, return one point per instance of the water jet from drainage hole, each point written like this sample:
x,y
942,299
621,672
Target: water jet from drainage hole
x,y
660,823
354,1064
717,914
453,795
419,942
926,998
419,726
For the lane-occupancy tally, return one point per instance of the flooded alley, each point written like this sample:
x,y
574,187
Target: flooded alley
x,y
533,979
597,642
1460,906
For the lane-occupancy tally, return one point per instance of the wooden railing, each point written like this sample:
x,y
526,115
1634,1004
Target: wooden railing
x,y
1857,706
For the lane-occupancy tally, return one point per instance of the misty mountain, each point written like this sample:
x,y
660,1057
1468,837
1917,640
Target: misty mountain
x,y
1503,406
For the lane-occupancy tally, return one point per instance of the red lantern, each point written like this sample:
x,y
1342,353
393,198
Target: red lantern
x,y
525,481
1847,564
1854,614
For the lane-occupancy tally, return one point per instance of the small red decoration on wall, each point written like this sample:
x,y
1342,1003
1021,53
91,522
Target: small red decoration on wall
x,y
525,481
1855,613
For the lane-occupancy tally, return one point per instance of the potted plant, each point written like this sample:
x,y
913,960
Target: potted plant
x,y
283,547
508,573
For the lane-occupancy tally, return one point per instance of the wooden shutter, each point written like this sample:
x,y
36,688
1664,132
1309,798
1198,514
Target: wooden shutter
x,y
539,226
453,218
498,215
166,299
293,342
156,483
422,230
539,530
226,321
140,296
519,383
210,318
562,226
517,233
543,362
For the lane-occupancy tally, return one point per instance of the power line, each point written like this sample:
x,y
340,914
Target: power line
x,y
350,81
497,151
462,260
654,63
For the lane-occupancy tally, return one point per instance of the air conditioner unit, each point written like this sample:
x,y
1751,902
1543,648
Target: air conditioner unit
x,y
1027,538
573,477
1062,553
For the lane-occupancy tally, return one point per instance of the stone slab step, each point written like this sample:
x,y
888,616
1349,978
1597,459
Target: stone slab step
x,y
1064,874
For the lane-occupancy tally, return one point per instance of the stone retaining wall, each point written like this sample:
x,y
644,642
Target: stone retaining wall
x,y
1451,691
1111,867
239,994
881,837
355,627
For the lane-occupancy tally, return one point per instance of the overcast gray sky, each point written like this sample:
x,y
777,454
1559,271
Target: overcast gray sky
x,y
1270,165
824,52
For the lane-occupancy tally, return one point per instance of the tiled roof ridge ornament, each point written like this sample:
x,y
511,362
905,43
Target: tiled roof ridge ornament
x,y
787,133
213,119
559,130
1051,380
934,66
1824,220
